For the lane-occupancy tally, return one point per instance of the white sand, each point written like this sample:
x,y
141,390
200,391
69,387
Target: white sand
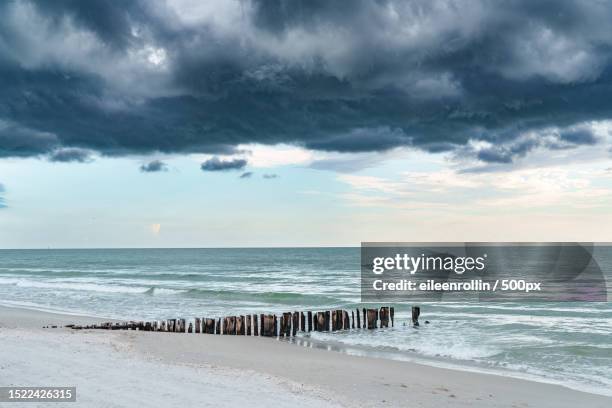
x,y
128,368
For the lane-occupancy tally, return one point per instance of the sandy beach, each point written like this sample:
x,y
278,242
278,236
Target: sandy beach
x,y
129,368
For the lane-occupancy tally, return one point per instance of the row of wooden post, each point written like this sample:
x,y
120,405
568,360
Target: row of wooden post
x,y
287,325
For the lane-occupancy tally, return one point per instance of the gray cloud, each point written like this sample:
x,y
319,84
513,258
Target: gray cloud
x,y
216,164
154,166
578,137
270,176
70,154
147,77
246,174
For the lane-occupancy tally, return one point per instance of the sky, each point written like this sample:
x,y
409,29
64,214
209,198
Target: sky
x,y
184,123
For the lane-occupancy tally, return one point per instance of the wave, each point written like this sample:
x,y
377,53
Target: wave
x,y
89,287
292,298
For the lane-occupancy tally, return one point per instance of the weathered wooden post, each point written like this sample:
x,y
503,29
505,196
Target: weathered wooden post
x,y
334,320
346,324
296,323
266,325
275,325
255,328
320,323
416,311
285,325
372,318
163,326
209,326
302,322
218,326
327,320
183,325
310,321
365,319
171,323
391,313
261,321
197,325
231,327
358,320
384,316
190,329
240,325
247,331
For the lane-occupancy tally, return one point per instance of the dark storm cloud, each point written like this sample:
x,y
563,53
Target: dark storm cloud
x,y
216,164
246,174
579,137
145,77
154,166
70,154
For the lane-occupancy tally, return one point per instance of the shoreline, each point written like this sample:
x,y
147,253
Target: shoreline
x,y
331,377
352,350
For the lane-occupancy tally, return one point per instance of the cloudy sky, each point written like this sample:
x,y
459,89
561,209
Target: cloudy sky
x,y
228,123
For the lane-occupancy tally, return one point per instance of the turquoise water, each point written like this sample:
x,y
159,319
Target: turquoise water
x,y
567,343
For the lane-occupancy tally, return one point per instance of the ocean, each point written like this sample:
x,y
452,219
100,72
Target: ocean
x,y
565,343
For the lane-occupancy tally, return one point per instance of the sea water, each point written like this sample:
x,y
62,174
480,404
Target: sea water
x,y
565,343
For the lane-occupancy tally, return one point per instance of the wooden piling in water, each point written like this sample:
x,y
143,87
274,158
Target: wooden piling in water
x,y
229,325
334,320
285,325
275,325
209,326
240,325
384,316
320,322
268,325
295,324
372,315
416,312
